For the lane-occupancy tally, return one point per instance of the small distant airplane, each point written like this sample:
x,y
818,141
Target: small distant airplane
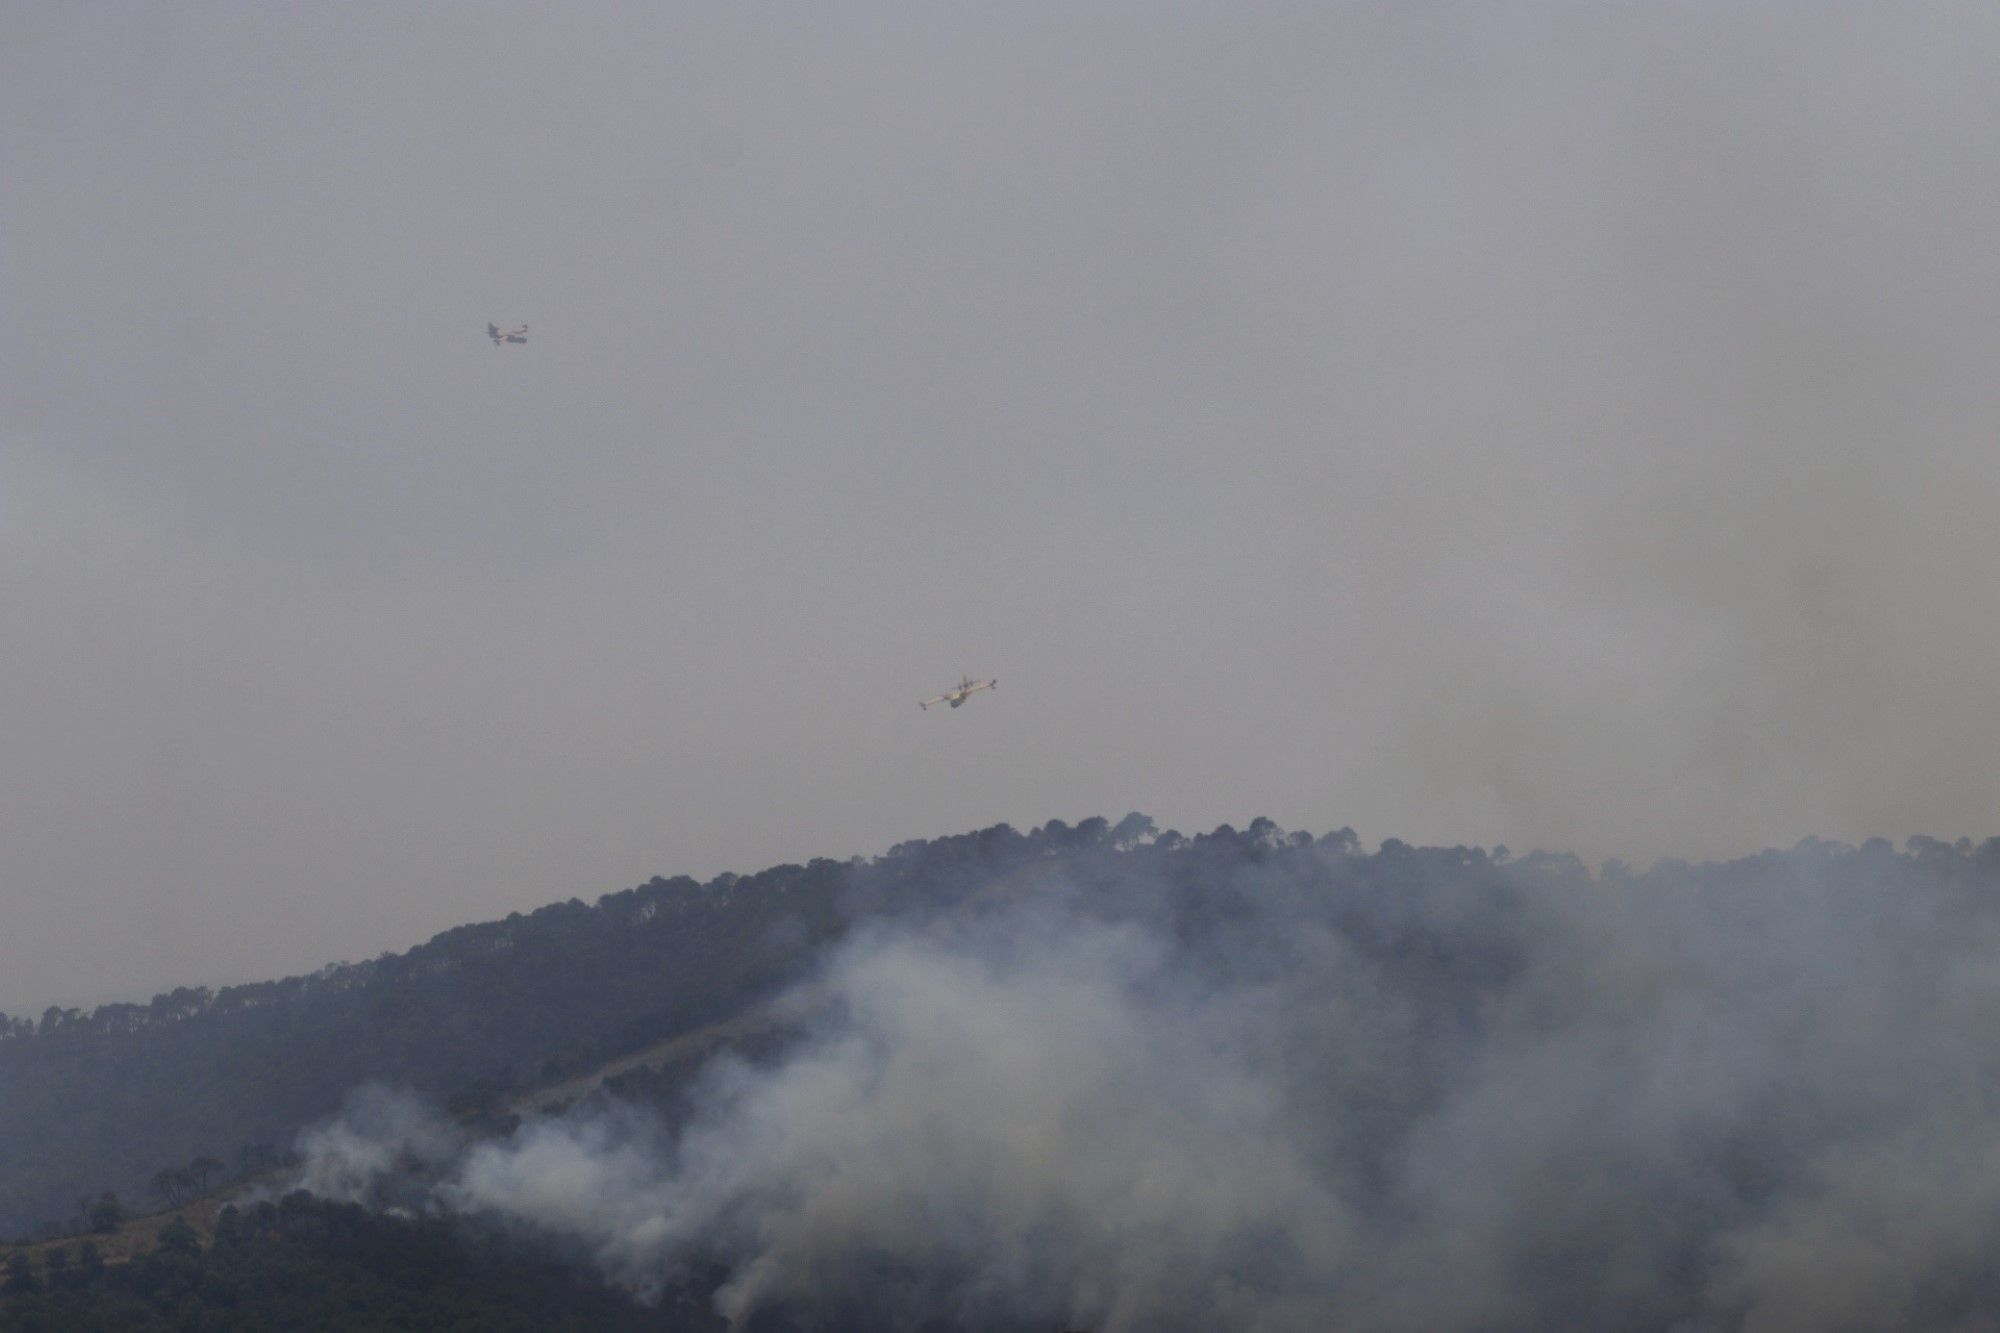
x,y
959,693
519,335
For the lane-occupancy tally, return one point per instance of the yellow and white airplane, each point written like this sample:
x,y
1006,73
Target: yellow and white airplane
x,y
959,693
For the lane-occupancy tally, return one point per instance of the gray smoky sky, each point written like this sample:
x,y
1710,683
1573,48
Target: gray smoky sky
x,y
1562,425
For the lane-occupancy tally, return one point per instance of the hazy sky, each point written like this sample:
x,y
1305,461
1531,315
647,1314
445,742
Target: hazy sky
x,y
1560,425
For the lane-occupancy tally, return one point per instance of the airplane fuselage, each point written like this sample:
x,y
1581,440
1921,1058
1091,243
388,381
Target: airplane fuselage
x,y
964,690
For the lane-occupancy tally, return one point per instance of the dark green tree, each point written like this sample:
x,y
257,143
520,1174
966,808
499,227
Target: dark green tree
x,y
106,1214
179,1237
170,1185
21,1279
202,1168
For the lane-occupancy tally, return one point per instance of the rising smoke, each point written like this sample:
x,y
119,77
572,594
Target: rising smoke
x,y
1252,1085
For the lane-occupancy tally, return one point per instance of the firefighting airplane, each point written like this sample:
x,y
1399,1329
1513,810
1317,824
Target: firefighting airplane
x,y
519,335
958,694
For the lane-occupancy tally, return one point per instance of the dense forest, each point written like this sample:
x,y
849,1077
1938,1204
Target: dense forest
x,y
302,1263
104,1099
1113,1077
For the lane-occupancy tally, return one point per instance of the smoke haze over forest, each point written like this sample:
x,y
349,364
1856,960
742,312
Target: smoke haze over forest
x,y
1538,425
1565,426
1258,1084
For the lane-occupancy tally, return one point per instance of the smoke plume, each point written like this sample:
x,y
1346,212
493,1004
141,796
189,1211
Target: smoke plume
x,y
1270,1086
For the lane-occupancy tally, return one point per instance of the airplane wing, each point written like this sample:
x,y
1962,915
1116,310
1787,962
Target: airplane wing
x,y
493,331
926,703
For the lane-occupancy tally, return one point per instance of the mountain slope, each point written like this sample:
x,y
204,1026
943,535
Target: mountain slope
x,y
104,1099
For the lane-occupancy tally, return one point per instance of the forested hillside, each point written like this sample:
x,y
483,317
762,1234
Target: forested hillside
x,y
1095,1078
105,1099
307,1264
1113,1077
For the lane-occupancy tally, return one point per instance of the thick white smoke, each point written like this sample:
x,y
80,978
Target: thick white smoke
x,y
1493,1099
379,1140
1014,1123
